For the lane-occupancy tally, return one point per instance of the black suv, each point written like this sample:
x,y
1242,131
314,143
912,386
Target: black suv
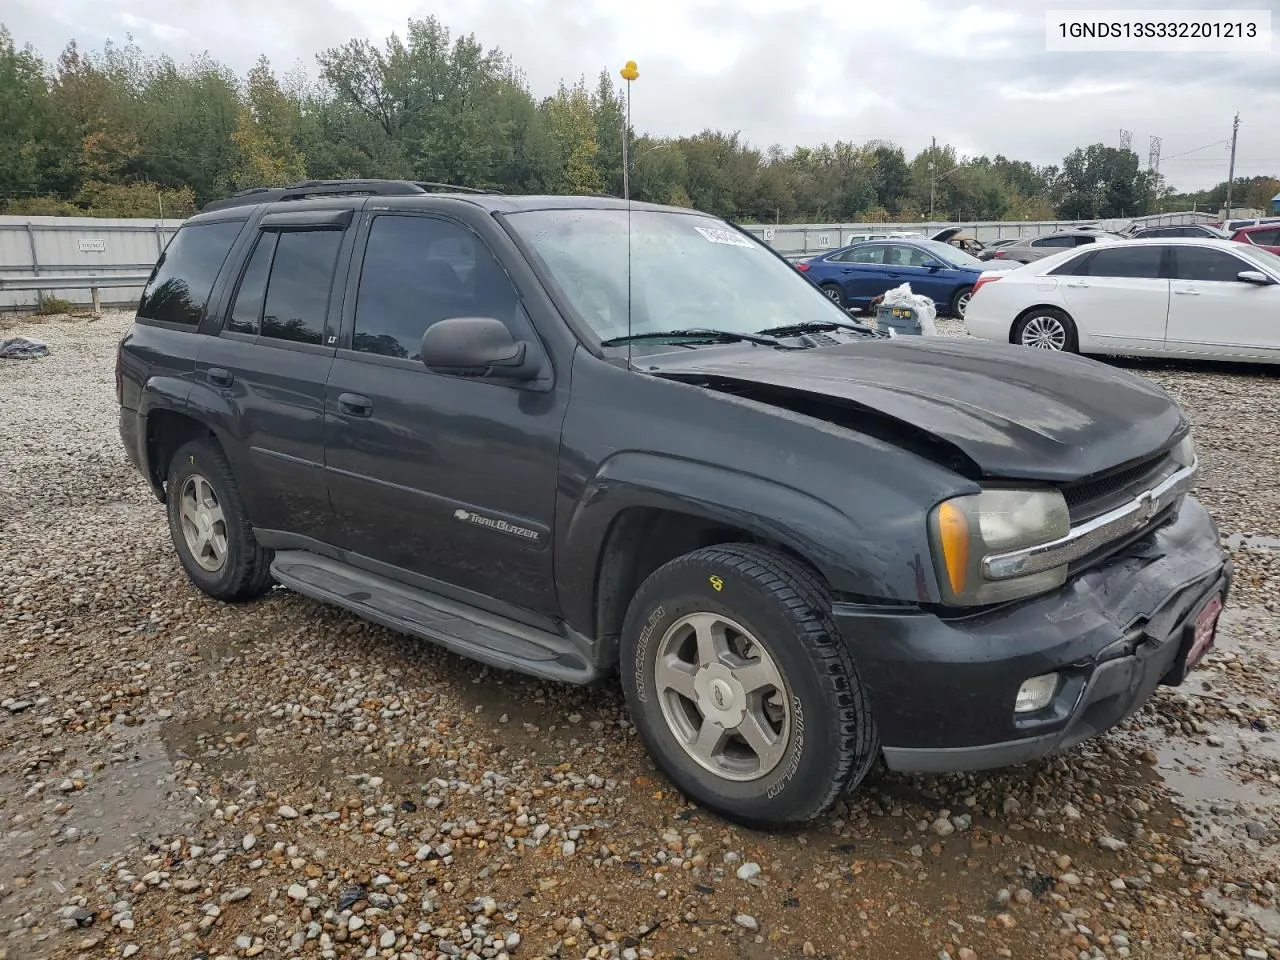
x,y
572,436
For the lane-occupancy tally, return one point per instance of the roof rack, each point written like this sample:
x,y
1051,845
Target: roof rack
x,y
317,188
452,187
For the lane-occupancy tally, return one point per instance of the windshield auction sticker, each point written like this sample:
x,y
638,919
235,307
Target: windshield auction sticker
x,y
724,236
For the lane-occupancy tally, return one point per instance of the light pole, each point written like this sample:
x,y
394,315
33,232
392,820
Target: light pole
x,y
628,72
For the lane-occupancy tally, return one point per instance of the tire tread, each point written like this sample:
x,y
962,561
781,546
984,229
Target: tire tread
x,y
806,601
252,575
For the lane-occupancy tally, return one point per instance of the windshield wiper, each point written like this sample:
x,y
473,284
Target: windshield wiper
x,y
696,333
811,326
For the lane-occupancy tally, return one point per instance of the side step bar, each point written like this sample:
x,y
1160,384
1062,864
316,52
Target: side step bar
x,y
462,628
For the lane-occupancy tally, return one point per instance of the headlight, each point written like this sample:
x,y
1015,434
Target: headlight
x,y
966,530
1184,454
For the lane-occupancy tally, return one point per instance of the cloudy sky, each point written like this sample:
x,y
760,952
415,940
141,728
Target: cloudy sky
x,y
781,71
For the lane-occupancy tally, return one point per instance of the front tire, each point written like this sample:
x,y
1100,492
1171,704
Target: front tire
x,y
1046,328
960,302
742,688
210,527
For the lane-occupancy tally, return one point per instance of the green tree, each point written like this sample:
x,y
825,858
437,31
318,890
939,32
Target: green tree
x,y
572,122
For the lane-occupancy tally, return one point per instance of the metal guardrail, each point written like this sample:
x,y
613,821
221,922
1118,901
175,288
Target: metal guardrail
x,y
63,282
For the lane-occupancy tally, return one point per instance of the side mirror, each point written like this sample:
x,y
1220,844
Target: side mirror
x,y
481,345
1254,276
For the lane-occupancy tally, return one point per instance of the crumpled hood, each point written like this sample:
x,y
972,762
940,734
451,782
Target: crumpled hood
x,y
1018,413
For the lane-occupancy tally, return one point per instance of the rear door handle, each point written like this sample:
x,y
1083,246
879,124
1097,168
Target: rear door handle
x,y
219,375
1188,292
1077,283
355,404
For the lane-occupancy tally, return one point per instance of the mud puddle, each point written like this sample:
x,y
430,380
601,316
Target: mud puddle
x,y
94,817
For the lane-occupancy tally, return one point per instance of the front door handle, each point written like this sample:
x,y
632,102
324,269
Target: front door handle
x,y
1077,283
355,404
219,375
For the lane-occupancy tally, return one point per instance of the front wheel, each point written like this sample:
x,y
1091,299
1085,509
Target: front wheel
x,y
741,687
1046,328
960,302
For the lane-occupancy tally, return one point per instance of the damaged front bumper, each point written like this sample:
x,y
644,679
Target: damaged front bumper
x,y
943,690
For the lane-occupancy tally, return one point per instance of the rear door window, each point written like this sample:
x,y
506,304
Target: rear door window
x,y
298,288
1053,242
1141,262
183,277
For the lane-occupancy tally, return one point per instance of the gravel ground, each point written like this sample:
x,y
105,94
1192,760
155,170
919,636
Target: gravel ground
x,y
184,778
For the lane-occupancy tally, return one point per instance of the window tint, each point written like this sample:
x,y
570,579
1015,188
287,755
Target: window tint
x,y
904,256
246,313
183,276
420,270
1265,238
1053,242
869,254
1082,238
1203,263
298,290
1123,261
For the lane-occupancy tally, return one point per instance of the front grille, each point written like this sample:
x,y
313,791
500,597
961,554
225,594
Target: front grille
x,y
1096,495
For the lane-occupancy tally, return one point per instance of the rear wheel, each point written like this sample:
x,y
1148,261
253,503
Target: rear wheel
x,y
209,525
834,294
742,688
1046,328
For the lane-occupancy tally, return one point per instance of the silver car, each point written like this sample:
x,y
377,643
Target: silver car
x,y
1028,249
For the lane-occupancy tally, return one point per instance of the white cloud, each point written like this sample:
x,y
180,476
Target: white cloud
x,y
778,71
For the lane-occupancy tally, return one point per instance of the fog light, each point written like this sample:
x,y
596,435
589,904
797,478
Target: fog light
x,y
1035,694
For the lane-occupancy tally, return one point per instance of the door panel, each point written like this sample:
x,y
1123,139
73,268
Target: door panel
x,y
1214,314
1120,300
444,476
269,365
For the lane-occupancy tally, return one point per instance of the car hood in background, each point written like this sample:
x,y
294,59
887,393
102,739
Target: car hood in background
x,y
1015,412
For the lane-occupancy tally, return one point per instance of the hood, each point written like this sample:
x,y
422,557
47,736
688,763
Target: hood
x,y
1013,412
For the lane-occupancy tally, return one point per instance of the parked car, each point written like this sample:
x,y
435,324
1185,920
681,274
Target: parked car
x,y
990,247
1264,235
1177,297
1180,230
1030,249
961,239
576,437
854,276
1231,226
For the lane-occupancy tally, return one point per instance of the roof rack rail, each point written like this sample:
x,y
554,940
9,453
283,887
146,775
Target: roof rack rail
x,y
452,187
315,188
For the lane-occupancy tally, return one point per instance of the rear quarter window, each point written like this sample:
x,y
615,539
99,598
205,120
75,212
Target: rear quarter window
x,y
183,277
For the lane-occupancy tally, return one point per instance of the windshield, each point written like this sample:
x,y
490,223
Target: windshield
x,y
953,255
1265,257
687,271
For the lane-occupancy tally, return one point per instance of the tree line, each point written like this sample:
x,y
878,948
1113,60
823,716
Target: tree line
x,y
118,132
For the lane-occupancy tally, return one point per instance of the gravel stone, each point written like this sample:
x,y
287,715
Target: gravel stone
x,y
181,774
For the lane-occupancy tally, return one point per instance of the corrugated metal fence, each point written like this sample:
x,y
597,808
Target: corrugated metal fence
x,y
87,246
78,246
793,239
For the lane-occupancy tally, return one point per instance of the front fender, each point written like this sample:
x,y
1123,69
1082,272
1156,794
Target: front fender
x,y
853,559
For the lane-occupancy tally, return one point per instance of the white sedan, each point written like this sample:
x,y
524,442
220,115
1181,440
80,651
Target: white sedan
x,y
1183,297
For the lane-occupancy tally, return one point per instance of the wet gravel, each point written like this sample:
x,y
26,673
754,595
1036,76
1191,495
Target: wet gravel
x,y
184,778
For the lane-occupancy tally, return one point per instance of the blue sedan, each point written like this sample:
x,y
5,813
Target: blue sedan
x,y
853,276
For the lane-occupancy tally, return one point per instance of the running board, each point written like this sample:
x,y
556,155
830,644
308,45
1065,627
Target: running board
x,y
460,627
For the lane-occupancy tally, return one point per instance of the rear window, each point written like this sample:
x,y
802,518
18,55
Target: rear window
x,y
183,276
